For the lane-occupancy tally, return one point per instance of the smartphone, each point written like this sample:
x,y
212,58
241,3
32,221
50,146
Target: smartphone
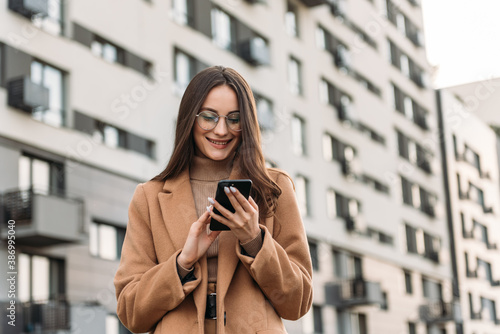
x,y
244,186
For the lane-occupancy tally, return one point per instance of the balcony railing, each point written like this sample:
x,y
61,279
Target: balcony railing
x,y
46,316
353,292
440,311
42,219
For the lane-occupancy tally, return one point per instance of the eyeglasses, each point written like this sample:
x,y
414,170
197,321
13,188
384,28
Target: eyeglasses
x,y
208,120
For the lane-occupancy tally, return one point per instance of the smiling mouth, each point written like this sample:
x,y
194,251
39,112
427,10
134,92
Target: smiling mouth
x,y
219,142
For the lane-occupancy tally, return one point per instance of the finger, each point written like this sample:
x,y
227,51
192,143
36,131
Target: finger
x,y
234,201
242,201
222,210
221,219
213,235
204,216
252,202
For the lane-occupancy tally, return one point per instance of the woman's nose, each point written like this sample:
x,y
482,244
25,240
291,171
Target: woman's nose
x,y
221,127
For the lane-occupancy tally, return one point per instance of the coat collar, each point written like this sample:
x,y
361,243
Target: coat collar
x,y
179,212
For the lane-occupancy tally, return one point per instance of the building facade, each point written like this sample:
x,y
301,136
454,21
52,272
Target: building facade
x,y
88,101
470,148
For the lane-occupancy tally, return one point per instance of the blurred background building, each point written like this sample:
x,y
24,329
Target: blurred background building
x,y
398,192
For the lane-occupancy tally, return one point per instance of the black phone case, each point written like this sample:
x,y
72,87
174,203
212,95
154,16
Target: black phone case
x,y
244,186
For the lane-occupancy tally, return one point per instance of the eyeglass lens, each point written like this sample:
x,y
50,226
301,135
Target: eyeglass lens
x,y
208,120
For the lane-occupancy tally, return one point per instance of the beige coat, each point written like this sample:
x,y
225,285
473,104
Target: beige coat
x,y
253,294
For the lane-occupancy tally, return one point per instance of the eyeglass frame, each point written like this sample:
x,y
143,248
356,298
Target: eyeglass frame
x,y
217,117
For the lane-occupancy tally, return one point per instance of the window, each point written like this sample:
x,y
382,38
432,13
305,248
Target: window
x,y
106,241
40,278
341,101
318,319
40,175
417,197
489,308
407,66
265,112
2,57
53,79
222,29
185,68
298,135
352,323
302,191
291,21
321,38
334,149
412,328
53,21
379,236
411,239
313,249
408,283
112,136
432,290
183,12
294,76
346,207
403,24
484,270
408,107
385,302
107,51
476,194
413,152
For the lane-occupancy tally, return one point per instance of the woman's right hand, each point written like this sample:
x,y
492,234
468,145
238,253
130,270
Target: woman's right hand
x,y
197,242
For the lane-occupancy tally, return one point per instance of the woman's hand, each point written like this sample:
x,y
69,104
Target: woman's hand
x,y
197,241
244,222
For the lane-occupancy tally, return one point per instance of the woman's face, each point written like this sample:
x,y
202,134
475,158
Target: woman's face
x,y
220,142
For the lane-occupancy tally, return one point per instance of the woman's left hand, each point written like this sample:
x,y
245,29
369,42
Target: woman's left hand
x,y
244,222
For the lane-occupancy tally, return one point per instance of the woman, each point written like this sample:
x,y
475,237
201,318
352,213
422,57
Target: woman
x,y
177,277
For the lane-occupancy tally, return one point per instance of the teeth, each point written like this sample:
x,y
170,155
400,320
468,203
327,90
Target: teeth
x,y
219,142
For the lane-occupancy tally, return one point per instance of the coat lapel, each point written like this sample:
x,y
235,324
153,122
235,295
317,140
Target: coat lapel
x,y
177,208
179,212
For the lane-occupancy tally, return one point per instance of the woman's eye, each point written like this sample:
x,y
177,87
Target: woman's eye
x,y
209,117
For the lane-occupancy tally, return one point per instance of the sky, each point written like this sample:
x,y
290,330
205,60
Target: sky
x,y
462,38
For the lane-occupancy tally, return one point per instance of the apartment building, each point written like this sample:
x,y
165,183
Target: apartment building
x,y
470,148
88,101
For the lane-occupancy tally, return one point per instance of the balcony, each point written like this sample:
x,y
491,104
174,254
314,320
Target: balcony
x,y
255,51
439,312
46,316
29,8
354,292
41,219
26,95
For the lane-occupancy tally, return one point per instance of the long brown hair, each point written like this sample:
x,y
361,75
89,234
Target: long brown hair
x,y
250,161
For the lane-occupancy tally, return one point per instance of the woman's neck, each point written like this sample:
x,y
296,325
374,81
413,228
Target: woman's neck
x,y
206,169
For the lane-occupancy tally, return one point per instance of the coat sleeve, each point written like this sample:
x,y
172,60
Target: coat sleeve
x,y
282,267
145,289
